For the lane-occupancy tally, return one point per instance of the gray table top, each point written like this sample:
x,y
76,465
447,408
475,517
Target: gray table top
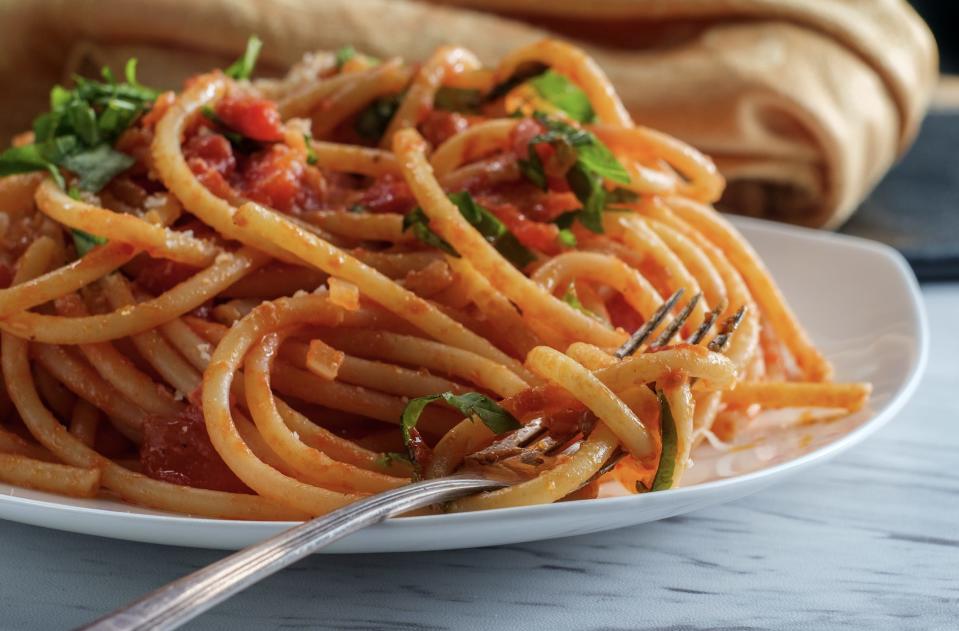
x,y
867,541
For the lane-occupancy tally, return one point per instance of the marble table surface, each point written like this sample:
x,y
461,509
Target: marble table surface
x,y
869,540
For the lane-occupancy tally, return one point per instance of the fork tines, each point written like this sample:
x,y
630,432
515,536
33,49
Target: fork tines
x,y
677,323
720,343
707,325
534,441
636,340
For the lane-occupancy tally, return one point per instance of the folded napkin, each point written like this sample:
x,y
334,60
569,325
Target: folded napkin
x,y
804,104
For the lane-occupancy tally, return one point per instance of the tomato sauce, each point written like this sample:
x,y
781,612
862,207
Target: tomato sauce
x,y
178,450
254,118
540,401
622,315
111,443
388,194
160,275
258,167
440,125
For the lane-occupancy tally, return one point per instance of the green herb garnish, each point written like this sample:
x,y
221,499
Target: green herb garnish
x,y
532,168
594,162
242,68
241,143
565,95
493,229
566,238
84,241
386,459
472,405
522,73
419,222
97,166
344,54
667,460
79,131
572,299
619,196
372,122
485,222
311,157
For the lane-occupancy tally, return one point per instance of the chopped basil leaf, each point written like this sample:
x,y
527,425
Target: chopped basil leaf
x,y
566,238
588,188
493,229
472,405
242,68
130,74
572,299
372,122
241,143
311,157
419,222
386,459
411,415
84,241
522,73
26,159
667,460
565,95
566,219
485,222
97,166
598,158
360,208
593,162
621,196
80,129
344,54
458,100
80,116
532,168
592,153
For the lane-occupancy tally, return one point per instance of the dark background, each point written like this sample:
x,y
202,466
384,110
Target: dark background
x,y
943,17
916,207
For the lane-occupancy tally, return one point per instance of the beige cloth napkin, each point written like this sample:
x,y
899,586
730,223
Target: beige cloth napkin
x,y
804,104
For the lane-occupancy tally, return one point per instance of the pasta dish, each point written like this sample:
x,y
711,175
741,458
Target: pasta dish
x,y
266,299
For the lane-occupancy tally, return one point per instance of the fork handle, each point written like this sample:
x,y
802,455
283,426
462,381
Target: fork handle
x,y
182,600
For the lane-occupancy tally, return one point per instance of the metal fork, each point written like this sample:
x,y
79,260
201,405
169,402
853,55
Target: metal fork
x,y
180,601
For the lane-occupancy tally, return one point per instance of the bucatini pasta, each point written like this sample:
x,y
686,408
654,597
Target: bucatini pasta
x,y
262,299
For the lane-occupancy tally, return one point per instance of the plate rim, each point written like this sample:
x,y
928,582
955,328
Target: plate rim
x,y
893,406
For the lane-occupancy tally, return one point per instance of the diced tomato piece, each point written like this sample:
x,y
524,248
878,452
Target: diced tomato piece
x,y
178,449
273,177
621,314
254,118
524,131
213,149
160,107
159,275
441,125
388,194
211,159
536,204
533,234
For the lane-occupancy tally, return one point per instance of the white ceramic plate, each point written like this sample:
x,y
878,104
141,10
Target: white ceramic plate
x,y
859,301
